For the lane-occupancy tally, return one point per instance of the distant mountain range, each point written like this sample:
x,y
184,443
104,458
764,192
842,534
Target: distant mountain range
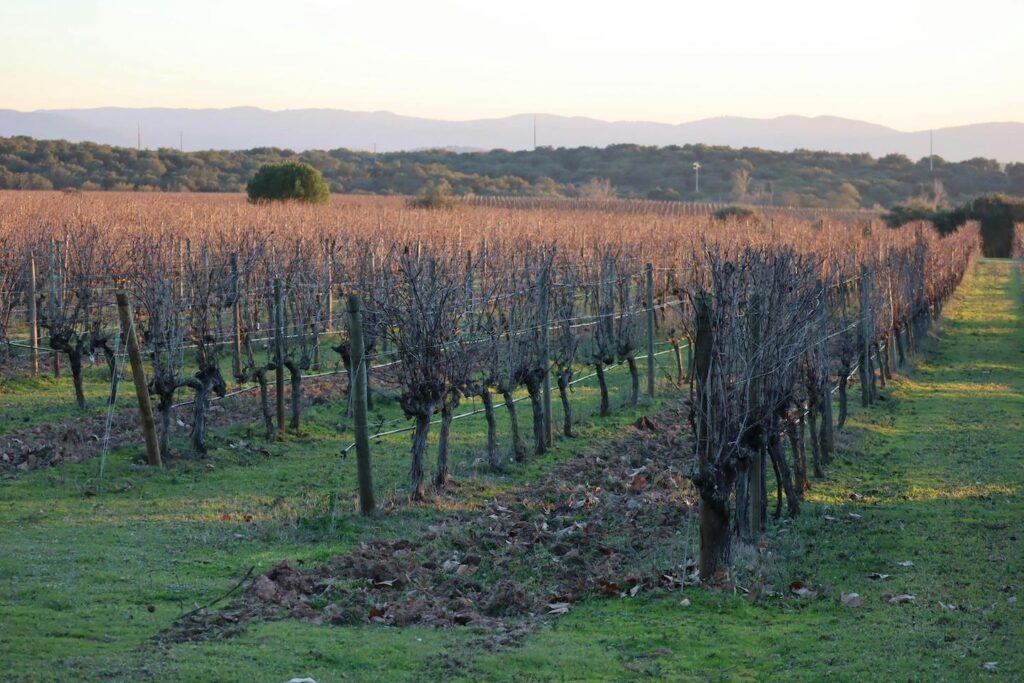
x,y
304,129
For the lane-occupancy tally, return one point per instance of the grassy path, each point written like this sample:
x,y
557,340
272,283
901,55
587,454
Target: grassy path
x,y
936,477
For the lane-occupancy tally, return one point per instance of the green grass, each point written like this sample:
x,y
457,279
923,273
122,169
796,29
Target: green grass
x,y
81,560
936,468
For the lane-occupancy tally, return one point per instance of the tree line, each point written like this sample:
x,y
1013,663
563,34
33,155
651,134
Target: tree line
x,y
750,176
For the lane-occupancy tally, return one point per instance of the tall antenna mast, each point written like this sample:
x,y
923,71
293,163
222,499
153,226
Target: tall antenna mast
x,y
535,132
931,151
138,136
181,141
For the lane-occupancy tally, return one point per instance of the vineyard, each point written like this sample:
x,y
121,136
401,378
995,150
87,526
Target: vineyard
x,y
485,417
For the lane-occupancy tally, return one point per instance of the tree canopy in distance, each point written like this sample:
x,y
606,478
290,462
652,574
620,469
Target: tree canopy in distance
x,y
290,180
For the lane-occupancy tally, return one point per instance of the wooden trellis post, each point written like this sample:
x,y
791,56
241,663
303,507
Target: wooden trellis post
x,y
358,378
33,315
236,350
279,353
139,378
650,330
827,433
546,353
865,342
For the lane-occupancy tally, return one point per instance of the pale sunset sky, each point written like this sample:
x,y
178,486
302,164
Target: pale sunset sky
x,y
908,64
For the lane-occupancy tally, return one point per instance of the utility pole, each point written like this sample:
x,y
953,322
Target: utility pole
x,y
931,151
535,132
138,136
181,141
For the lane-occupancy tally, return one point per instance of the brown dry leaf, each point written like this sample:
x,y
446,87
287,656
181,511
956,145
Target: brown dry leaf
x,y
878,577
907,563
609,588
901,599
850,599
798,589
991,667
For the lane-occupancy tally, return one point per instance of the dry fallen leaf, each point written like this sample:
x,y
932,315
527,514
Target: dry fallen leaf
x,y
949,606
851,599
907,563
901,599
990,666
685,602
878,577
798,589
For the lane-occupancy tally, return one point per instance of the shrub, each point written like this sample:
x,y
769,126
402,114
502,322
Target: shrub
x,y
743,213
435,195
290,180
997,214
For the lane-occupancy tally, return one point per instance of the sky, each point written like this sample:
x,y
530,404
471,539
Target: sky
x,y
903,63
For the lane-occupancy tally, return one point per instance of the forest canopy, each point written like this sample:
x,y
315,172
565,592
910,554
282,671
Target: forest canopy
x,y
748,175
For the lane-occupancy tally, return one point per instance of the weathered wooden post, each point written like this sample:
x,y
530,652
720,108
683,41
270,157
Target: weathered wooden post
x,y
864,371
139,378
650,330
357,375
33,314
53,299
236,310
546,353
279,353
329,280
827,437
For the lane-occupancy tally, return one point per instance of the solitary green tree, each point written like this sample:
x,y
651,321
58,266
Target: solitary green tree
x,y
290,180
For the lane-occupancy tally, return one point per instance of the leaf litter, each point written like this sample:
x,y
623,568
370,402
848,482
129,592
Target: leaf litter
x,y
607,523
